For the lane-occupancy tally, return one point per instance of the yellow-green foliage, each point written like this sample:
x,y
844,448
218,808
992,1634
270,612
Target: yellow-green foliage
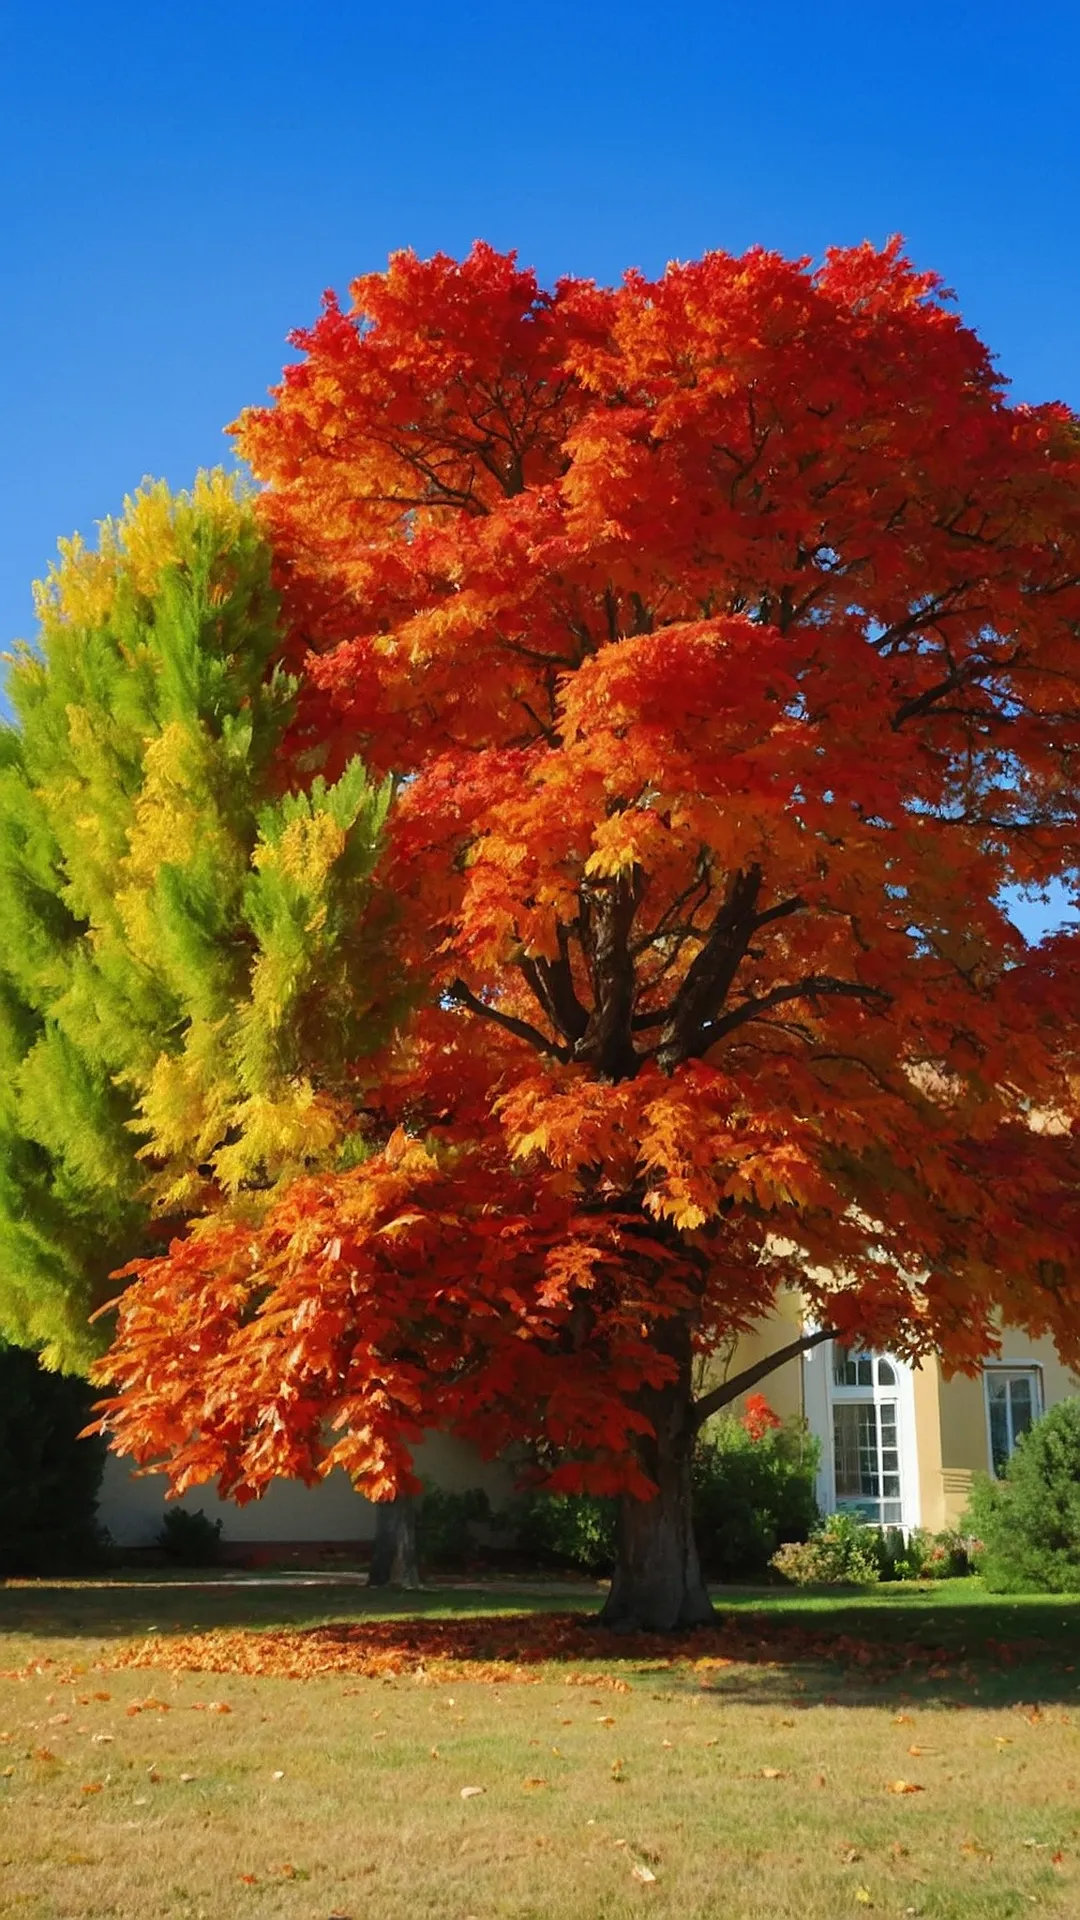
x,y
185,954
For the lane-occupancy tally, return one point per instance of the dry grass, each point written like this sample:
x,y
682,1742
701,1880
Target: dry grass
x,y
748,1790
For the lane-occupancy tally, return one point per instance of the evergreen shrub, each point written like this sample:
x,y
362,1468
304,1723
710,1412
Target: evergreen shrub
x,y
190,1539
1028,1523
49,1478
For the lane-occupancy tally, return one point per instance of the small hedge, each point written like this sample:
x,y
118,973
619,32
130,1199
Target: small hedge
x,y
190,1539
49,1478
754,1480
1028,1523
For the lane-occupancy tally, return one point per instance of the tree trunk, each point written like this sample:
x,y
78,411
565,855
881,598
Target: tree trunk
x,y
657,1584
393,1558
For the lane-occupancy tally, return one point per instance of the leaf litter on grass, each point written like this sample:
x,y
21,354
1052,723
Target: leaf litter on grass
x,y
510,1648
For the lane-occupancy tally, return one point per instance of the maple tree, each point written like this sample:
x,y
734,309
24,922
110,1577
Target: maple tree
x,y
722,633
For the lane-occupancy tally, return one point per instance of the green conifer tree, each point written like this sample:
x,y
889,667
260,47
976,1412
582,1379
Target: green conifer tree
x,y
188,955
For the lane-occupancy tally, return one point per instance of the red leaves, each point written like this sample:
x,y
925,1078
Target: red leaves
x,y
758,1417
725,628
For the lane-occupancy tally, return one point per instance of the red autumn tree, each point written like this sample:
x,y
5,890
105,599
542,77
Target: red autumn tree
x,y
722,631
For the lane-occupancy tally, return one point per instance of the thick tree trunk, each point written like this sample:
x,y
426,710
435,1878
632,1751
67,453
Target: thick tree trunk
x,y
393,1558
657,1585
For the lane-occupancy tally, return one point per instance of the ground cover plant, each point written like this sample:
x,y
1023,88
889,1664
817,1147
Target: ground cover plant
x,y
917,1752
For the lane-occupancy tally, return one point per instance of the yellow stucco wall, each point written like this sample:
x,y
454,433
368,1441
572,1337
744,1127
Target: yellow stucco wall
x,y
782,1389
927,1384
951,1427
964,1431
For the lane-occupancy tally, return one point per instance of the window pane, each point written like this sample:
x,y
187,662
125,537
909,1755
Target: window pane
x,y
864,1371
997,1387
853,1426
999,1428
869,1471
886,1373
1021,1400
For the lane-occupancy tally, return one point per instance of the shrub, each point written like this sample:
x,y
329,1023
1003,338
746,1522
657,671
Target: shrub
x,y
190,1539
572,1529
444,1523
842,1552
1028,1523
753,1487
753,1491
49,1478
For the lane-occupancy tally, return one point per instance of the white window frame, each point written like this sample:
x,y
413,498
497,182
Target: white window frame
x,y
820,1393
1032,1370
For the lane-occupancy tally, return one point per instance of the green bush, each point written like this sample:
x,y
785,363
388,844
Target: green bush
x,y
842,1552
753,1491
1028,1523
571,1529
444,1522
190,1539
753,1487
49,1478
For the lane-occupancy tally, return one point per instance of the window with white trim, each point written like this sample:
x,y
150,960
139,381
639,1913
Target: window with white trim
x,y
1013,1403
866,1442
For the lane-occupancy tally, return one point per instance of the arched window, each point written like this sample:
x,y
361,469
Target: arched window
x,y
866,1444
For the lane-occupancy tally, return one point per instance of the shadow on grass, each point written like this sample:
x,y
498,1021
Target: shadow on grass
x,y
954,1644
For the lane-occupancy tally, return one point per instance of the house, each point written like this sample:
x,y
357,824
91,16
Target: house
x,y
899,1445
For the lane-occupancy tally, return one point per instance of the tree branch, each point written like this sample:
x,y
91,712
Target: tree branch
x,y
708,980
807,989
458,991
729,1390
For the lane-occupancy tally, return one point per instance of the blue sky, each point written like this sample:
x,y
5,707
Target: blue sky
x,y
180,182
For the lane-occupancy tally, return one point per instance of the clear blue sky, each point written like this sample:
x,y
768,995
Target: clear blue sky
x,y
180,182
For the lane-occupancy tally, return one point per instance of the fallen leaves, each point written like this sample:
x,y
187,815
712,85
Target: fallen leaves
x,y
904,1786
508,1650
470,1793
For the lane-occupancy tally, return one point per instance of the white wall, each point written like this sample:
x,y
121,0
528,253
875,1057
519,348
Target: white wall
x,y
132,1506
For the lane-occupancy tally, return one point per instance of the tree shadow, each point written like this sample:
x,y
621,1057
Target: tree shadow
x,y
783,1650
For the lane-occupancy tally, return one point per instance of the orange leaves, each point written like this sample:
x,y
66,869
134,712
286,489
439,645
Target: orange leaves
x,y
723,628
511,1649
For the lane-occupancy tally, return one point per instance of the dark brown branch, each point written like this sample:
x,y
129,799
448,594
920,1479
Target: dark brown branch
x,y
458,991
709,978
814,985
552,982
729,1390
607,922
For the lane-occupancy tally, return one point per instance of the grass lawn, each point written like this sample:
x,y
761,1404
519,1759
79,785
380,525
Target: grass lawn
x,y
752,1772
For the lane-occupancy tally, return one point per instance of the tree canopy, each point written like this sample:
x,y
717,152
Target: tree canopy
x,y
722,634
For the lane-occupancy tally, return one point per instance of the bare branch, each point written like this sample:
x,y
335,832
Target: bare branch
x,y
814,985
458,991
729,1390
